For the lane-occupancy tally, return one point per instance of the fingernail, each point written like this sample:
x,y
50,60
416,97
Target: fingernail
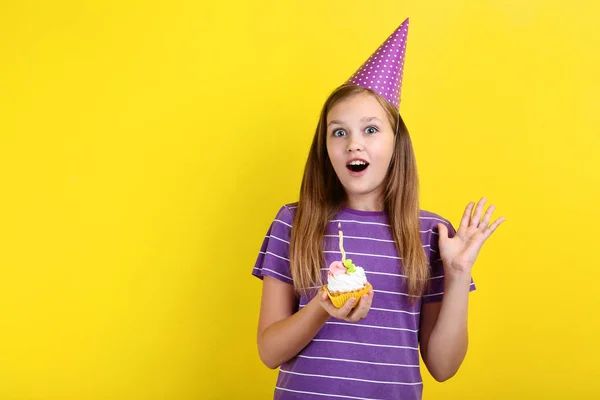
x,y
352,300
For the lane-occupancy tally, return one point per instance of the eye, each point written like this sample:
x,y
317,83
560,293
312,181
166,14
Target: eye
x,y
339,132
371,130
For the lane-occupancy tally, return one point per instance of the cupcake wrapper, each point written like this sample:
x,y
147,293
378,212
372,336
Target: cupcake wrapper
x,y
340,298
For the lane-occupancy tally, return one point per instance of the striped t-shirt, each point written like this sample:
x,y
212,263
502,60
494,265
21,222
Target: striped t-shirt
x,y
378,357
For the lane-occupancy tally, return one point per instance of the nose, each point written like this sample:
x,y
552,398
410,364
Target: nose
x,y
354,145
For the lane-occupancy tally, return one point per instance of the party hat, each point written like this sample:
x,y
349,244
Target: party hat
x,y
382,72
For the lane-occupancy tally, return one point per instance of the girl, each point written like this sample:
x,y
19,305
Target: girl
x,y
361,173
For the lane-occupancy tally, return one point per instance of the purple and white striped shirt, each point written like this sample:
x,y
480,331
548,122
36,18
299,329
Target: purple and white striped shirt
x,y
376,358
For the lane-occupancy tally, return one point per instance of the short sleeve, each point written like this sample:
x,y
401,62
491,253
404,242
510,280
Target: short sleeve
x,y
435,290
274,256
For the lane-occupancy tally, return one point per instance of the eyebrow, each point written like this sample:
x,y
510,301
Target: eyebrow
x,y
364,119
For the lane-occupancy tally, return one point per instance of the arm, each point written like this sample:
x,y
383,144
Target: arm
x,y
443,333
282,334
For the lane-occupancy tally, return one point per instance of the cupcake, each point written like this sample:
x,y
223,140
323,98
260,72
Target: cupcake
x,y
345,280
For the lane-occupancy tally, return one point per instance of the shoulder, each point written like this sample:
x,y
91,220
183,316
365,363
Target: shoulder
x,y
429,228
286,214
429,220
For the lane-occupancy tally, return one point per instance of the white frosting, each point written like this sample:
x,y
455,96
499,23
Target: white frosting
x,y
347,282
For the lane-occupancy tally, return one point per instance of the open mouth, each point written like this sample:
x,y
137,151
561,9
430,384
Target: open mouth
x,y
357,165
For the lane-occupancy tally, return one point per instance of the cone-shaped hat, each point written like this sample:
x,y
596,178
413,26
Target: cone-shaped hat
x,y
382,72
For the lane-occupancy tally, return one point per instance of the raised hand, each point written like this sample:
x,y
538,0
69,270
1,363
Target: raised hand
x,y
459,253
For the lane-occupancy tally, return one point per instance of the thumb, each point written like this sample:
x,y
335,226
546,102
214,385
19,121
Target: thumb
x,y
443,229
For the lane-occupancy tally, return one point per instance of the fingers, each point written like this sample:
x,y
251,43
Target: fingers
x,y
490,229
335,312
362,309
464,222
348,312
483,225
326,303
346,309
487,217
442,230
475,220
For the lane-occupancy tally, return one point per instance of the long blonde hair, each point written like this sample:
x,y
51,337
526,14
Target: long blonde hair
x,y
322,195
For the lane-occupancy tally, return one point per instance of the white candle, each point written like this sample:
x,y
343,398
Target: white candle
x,y
341,235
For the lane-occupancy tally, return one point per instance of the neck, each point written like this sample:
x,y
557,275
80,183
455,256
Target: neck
x,y
365,202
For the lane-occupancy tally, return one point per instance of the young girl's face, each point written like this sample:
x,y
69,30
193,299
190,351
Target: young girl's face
x,y
360,144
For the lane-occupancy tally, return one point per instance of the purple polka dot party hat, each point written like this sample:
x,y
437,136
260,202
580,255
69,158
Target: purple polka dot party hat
x,y
382,71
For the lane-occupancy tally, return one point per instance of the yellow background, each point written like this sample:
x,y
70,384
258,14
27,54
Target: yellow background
x,y
146,146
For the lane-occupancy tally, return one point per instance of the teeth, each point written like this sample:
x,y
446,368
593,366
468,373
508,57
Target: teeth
x,y
357,162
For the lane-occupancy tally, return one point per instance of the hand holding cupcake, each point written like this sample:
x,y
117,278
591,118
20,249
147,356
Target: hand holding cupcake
x,y
346,285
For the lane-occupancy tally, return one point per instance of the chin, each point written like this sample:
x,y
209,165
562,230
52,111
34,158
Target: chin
x,y
355,190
